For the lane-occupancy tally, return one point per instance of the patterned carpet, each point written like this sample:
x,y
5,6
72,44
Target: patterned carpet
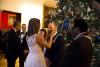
x,y
3,61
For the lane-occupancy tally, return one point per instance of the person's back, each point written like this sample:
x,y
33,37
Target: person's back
x,y
13,44
35,57
12,47
78,53
35,54
32,44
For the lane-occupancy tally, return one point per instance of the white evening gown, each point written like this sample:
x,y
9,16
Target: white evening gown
x,y
35,57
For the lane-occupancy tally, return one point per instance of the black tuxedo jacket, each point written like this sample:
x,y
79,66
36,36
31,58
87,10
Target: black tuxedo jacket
x,y
13,43
24,42
56,52
78,53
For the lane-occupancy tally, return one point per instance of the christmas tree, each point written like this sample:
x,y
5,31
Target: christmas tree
x,y
70,9
86,9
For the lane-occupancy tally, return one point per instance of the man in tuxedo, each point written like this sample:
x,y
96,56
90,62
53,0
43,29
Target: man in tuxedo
x,y
23,38
24,46
13,45
79,52
56,53
23,33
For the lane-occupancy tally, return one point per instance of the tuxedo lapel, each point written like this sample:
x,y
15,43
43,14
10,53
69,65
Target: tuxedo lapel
x,y
55,37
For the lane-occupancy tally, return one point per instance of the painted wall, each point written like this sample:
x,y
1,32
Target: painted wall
x,y
27,8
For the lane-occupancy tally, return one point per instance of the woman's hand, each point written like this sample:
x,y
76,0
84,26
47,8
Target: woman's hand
x,y
41,41
40,38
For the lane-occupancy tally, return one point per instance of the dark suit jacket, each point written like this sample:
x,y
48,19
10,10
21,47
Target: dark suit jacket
x,y
78,53
1,37
24,43
13,43
56,52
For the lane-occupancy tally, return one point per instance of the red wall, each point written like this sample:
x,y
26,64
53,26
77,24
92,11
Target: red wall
x,y
4,18
0,20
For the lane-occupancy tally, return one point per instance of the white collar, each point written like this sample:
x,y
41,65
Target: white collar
x,y
14,29
84,36
79,35
55,34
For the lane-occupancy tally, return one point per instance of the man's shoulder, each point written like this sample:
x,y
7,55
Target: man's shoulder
x,y
59,35
84,42
10,31
83,38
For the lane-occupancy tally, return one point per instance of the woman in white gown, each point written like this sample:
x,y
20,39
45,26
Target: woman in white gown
x,y
35,57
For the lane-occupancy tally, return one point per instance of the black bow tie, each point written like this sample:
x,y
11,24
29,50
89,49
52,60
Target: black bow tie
x,y
22,33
